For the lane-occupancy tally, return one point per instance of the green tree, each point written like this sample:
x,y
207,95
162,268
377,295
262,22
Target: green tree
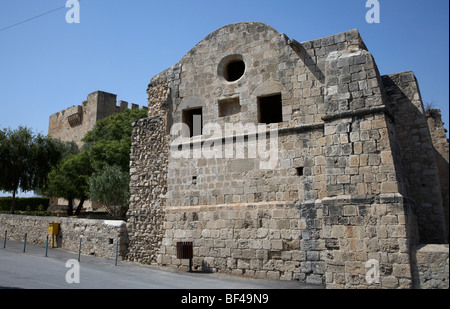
x,y
110,187
107,145
25,160
46,153
69,148
110,141
69,180
115,152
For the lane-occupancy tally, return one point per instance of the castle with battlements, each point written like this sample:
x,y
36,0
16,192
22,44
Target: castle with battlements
x,y
73,123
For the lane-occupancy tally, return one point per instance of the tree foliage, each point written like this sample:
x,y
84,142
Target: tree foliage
x,y
26,159
114,127
110,141
69,180
104,158
110,187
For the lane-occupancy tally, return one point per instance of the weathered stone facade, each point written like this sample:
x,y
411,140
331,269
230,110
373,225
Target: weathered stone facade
x,y
417,151
347,186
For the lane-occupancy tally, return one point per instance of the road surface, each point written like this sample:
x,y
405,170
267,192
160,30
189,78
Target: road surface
x,y
31,270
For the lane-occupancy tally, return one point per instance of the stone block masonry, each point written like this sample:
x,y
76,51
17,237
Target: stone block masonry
x,y
260,240
355,179
359,229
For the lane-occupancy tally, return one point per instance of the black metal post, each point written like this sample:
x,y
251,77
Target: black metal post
x,y
4,241
79,250
24,242
46,246
117,249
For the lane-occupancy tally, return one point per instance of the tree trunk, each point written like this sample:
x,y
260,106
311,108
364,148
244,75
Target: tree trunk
x,y
13,203
80,205
70,208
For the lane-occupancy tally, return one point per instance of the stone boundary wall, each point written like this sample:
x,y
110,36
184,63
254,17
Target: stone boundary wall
x,y
99,236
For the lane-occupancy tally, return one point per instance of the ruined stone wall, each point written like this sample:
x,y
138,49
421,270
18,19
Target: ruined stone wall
x,y
148,186
149,159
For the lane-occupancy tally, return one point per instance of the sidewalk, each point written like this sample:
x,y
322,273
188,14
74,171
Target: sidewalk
x,y
32,270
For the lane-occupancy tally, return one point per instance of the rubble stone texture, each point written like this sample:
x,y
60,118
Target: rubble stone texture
x,y
356,177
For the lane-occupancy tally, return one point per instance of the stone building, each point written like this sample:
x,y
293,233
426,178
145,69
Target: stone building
x,y
74,122
296,161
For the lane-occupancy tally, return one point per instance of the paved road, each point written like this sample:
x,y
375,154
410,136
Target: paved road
x,y
31,270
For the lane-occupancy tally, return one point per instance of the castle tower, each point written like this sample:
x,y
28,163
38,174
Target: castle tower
x,y
73,123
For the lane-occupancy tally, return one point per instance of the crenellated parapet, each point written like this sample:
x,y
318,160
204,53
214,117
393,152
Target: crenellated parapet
x,y
72,124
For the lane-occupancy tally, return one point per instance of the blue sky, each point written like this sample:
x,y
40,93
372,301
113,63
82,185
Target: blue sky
x,y
47,65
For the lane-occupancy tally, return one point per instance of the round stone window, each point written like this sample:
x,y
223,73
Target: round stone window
x,y
232,68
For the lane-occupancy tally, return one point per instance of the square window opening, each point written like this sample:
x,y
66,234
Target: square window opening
x,y
270,109
193,118
228,107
